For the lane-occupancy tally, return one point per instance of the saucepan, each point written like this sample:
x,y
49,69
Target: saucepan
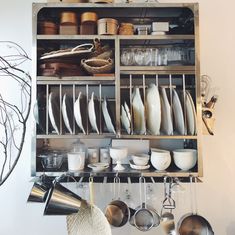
x,y
193,223
117,212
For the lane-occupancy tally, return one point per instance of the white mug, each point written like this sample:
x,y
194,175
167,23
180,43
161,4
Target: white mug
x,y
105,156
76,161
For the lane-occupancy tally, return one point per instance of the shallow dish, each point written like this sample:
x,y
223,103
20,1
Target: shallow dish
x,y
153,109
77,113
98,166
67,112
107,118
53,111
125,119
92,114
136,167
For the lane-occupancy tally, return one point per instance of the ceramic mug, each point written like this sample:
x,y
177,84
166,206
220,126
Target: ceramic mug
x,y
105,156
76,161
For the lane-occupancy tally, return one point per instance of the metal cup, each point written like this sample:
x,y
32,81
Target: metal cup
x,y
62,201
40,189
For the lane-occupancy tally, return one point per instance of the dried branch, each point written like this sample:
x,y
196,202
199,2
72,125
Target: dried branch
x,y
13,117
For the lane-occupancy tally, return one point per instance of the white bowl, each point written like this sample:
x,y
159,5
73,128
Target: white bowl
x,y
160,159
118,153
185,159
140,159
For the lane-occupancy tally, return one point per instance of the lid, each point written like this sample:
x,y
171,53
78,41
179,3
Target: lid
x,y
108,20
127,25
68,17
78,147
89,16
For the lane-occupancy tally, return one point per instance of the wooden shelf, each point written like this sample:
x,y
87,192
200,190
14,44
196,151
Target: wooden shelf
x,y
113,37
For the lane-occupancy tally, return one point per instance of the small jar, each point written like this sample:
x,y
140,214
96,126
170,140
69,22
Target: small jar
x,y
76,157
93,155
105,156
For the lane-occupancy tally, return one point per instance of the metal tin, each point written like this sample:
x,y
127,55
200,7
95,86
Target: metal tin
x,y
107,26
142,31
68,18
89,17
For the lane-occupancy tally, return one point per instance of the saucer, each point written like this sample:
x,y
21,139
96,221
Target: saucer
x,y
135,167
98,166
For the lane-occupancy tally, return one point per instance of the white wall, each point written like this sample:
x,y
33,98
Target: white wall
x,y
216,194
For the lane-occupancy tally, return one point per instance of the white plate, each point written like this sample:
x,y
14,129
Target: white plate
x,y
127,111
135,167
98,166
153,109
107,118
52,111
80,49
194,112
77,113
125,120
166,123
65,113
178,114
92,114
138,112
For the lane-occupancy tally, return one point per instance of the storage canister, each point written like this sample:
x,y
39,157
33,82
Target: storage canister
x,y
68,23
47,27
107,26
126,29
88,23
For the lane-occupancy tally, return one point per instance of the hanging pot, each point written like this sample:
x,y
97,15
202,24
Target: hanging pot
x,y
193,223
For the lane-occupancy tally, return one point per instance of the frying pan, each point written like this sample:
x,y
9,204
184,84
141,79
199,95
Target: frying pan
x,y
194,224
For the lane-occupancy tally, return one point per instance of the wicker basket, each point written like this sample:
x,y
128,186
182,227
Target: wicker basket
x,y
97,66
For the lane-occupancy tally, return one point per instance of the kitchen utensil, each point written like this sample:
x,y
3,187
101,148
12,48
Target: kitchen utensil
x,y
205,88
107,118
153,109
139,112
88,23
88,220
160,159
62,201
140,159
67,112
107,26
92,113
185,159
89,17
178,114
97,167
138,167
167,218
117,212
166,117
47,28
212,102
82,49
76,157
68,18
40,189
105,156
93,155
206,118
143,217
53,111
52,159
77,112
193,223
125,120
118,153
127,57
194,112
97,66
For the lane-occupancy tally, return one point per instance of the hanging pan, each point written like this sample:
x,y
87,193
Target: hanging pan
x,y
193,223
